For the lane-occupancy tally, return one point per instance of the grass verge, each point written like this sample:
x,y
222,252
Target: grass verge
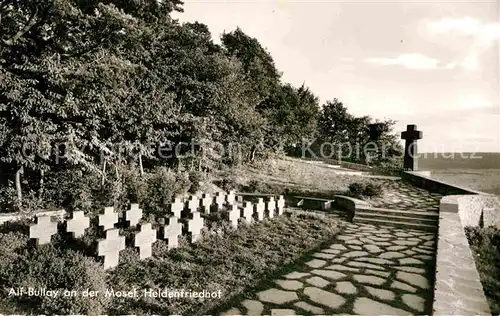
x,y
485,245
230,262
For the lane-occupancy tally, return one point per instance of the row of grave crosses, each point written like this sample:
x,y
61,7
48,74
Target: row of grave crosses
x,y
113,243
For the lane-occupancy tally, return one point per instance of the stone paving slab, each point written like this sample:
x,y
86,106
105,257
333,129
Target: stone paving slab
x,y
393,280
400,195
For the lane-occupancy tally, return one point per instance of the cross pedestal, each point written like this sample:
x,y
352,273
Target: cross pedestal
x,y
411,135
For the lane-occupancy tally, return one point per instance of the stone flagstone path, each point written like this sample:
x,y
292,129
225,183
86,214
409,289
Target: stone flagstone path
x,y
370,270
399,195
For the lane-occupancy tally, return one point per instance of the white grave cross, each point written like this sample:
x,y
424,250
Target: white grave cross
x,y
110,248
77,224
193,203
109,218
271,206
281,205
220,198
195,225
134,215
144,240
172,231
176,207
206,202
248,211
43,230
259,208
234,215
231,197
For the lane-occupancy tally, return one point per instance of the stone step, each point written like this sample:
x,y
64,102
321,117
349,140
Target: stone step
x,y
404,213
402,219
426,227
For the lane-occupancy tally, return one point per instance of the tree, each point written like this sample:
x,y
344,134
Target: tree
x,y
62,70
350,135
292,115
335,123
258,64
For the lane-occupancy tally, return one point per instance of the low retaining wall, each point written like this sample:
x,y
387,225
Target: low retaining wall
x,y
348,203
421,180
458,289
473,210
12,217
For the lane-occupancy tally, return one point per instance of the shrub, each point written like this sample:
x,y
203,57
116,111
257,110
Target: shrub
x,y
371,190
255,186
76,189
360,189
228,183
485,244
196,178
10,245
356,188
54,269
134,185
7,198
161,186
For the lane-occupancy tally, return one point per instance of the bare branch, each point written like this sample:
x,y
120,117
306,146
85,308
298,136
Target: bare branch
x,y
24,30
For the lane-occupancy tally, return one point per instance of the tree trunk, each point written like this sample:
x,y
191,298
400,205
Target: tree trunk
x,y
116,171
140,166
103,178
252,153
19,191
40,192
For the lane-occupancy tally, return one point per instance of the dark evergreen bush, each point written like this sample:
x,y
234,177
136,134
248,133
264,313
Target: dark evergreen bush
x,y
372,190
356,188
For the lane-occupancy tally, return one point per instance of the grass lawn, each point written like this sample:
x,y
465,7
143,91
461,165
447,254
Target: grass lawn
x,y
231,262
292,175
485,245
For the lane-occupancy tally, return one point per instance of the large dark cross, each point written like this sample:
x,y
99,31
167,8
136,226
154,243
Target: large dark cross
x,y
411,135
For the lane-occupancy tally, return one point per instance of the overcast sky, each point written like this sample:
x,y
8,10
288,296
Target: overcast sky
x,y
417,62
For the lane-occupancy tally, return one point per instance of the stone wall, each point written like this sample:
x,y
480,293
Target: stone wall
x,y
473,210
11,217
457,288
491,216
421,180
